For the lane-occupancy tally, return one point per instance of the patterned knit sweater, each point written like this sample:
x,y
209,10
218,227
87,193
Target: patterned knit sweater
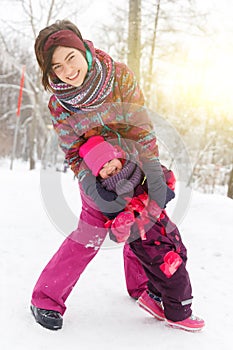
x,y
123,115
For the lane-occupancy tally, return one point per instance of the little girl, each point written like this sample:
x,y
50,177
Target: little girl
x,y
152,236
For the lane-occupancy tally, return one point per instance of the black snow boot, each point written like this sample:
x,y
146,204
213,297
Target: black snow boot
x,y
47,318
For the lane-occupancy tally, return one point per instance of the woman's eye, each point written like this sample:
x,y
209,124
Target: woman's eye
x,y
57,67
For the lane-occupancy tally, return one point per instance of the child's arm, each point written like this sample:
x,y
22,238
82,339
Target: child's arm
x,y
109,203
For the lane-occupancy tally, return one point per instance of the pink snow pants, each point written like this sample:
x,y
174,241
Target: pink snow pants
x,y
64,269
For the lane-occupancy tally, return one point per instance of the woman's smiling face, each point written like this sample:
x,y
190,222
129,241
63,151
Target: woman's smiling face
x,y
69,65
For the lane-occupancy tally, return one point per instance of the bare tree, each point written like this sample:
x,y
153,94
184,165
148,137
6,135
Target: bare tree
x,y
166,26
134,36
148,82
230,184
37,14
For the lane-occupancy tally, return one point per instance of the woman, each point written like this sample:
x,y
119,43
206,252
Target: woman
x,y
91,95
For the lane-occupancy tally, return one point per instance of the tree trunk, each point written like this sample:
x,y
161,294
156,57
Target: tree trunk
x,y
32,145
134,37
230,185
16,131
152,55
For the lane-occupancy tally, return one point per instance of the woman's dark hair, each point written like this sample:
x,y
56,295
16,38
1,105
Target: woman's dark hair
x,y
44,59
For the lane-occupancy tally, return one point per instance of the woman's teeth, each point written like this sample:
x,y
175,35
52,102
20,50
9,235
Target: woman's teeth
x,y
73,76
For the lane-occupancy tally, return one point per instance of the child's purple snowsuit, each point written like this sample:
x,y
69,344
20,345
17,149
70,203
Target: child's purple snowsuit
x,y
163,257
64,269
175,287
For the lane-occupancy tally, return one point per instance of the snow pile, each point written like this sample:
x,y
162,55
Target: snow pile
x,y
99,312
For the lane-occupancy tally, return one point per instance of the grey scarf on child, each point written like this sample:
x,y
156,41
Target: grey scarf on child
x,y
125,181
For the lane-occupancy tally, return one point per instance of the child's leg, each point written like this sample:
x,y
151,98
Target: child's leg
x,y
151,288
135,276
176,291
172,281
64,269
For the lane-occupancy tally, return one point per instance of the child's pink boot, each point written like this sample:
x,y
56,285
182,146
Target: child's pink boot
x,y
152,304
191,324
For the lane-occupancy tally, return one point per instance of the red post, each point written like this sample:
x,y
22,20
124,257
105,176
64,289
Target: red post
x,y
20,91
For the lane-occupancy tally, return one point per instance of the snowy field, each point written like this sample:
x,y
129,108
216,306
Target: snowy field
x,y
100,315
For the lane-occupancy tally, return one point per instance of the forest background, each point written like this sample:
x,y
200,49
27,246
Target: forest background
x,y
181,52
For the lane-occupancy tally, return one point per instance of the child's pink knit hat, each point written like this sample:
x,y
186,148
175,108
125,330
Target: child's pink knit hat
x,y
96,152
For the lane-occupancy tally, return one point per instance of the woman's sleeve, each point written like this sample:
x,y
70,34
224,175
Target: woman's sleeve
x,y
141,130
140,126
69,141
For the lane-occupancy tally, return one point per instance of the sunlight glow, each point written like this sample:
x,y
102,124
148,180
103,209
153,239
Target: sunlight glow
x,y
203,77
215,76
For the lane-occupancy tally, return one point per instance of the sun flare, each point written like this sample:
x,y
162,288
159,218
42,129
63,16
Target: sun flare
x,y
204,77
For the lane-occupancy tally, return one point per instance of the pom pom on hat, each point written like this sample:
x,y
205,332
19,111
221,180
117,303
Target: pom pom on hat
x,y
96,152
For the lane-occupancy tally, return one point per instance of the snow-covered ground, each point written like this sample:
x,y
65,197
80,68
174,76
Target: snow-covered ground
x,y
99,312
